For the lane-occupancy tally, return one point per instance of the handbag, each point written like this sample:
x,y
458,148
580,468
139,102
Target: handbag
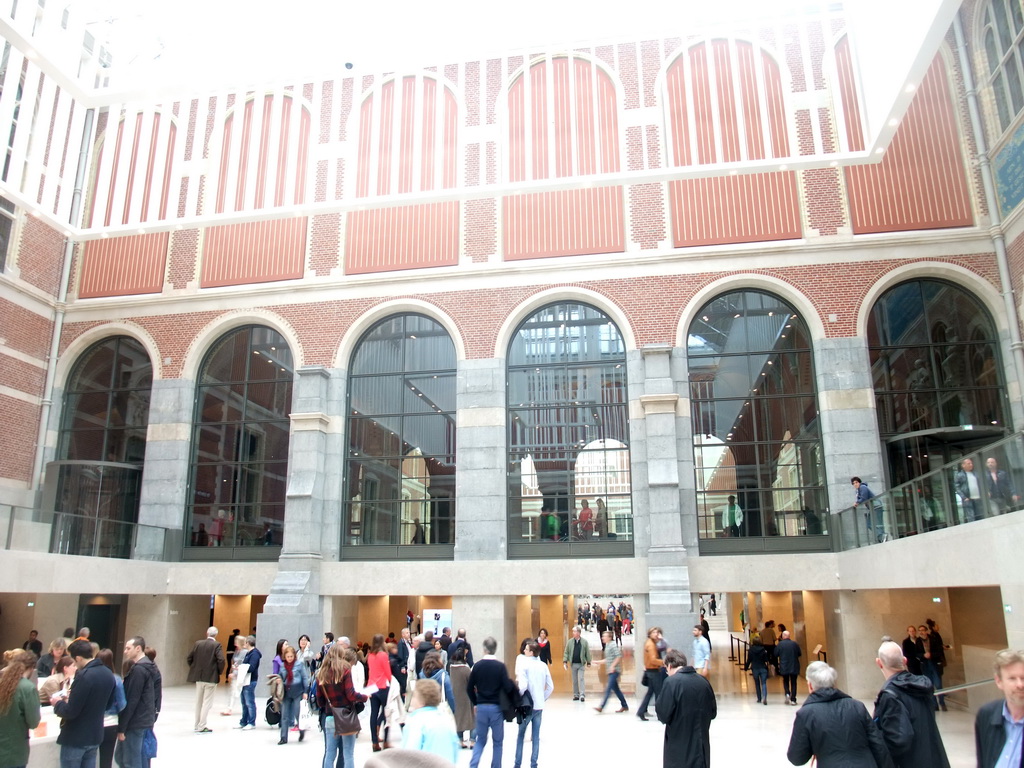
x,y
346,721
646,679
307,719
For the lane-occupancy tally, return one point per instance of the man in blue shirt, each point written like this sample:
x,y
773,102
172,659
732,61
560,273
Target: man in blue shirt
x,y
999,726
252,658
701,652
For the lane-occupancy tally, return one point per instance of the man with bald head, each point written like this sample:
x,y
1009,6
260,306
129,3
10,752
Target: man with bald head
x,y
905,713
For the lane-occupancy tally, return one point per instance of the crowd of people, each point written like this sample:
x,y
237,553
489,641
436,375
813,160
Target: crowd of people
x,y
431,696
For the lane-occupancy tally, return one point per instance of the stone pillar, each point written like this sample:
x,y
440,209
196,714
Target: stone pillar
x,y
165,480
295,604
849,427
481,531
171,624
670,603
488,615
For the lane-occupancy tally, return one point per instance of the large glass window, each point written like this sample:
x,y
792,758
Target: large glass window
x,y
568,425
1003,38
240,442
936,370
400,479
757,441
95,482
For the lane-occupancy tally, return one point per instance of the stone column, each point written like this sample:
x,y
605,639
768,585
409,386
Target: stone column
x,y
669,601
165,478
849,427
295,604
481,528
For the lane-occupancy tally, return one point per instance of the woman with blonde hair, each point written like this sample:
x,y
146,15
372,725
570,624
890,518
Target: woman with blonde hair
x,y
335,689
19,709
295,679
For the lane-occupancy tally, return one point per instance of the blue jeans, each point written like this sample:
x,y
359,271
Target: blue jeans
x,y
934,673
128,753
346,756
488,716
761,683
612,687
657,677
535,718
78,757
248,704
289,715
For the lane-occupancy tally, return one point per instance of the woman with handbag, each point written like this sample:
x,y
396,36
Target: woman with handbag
x,y
338,701
379,676
295,679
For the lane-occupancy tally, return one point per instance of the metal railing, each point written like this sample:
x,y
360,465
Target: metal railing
x,y
978,485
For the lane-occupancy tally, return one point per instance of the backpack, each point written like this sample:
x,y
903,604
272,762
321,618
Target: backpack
x,y
311,695
273,714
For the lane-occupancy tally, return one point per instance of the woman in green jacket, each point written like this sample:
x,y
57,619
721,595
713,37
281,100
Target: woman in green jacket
x,y
19,710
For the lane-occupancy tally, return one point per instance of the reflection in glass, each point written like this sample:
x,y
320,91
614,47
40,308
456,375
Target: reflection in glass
x,y
757,446
103,429
400,473
934,363
569,461
240,441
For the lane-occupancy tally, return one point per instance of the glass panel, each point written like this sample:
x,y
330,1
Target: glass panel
x,y
94,372
380,351
1012,70
376,394
428,347
1002,107
228,360
432,435
1018,16
1002,24
990,50
375,437
220,403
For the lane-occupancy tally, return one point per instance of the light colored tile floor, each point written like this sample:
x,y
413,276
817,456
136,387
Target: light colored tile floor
x,y
572,733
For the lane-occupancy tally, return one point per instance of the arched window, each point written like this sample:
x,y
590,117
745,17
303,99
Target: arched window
x,y
400,479
563,121
408,143
240,446
724,104
94,485
569,475
1002,35
936,369
757,438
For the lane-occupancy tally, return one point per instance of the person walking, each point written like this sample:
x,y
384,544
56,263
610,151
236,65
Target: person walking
x,y
465,719
334,689
576,657
249,678
613,658
757,663
295,684
905,713
999,725
81,708
834,729
532,676
205,664
701,652
19,709
788,652
427,728
488,679
379,666
686,706
654,670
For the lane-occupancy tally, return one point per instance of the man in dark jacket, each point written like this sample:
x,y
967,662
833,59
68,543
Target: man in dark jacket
x,y
141,707
905,713
81,710
913,651
997,717
205,663
253,659
461,642
686,705
425,646
834,728
788,654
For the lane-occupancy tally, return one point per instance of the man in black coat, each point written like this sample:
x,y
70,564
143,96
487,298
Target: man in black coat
x,y
686,705
905,713
992,719
788,654
913,651
425,646
143,692
82,708
461,642
834,728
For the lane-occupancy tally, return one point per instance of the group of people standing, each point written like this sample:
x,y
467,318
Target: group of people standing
x,y
105,717
770,652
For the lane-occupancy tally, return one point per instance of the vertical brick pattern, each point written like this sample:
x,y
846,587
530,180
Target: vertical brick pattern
x,y
325,244
41,255
480,236
182,266
647,214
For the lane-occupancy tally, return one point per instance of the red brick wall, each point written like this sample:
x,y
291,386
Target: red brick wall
x,y
40,255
